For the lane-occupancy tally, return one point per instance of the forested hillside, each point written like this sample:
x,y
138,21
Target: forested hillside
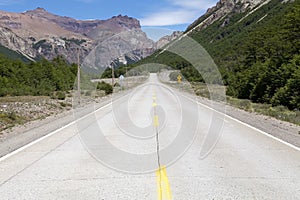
x,y
35,78
257,54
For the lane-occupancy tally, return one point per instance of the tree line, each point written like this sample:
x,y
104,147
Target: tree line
x,y
35,78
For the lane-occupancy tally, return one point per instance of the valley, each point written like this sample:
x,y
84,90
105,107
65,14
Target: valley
x,y
92,108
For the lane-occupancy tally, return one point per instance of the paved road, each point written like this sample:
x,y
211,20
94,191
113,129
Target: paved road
x,y
147,145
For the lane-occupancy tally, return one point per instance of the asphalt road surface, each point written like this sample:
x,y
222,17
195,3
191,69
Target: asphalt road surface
x,y
153,143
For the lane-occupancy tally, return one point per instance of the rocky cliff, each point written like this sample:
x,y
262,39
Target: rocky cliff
x,y
38,33
223,9
167,39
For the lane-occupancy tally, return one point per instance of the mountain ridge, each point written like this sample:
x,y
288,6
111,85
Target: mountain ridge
x,y
39,33
222,9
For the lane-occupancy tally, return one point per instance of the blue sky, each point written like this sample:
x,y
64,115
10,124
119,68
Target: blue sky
x,y
162,14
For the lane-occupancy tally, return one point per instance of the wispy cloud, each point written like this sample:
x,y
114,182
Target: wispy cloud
x,y
194,4
86,1
8,2
178,12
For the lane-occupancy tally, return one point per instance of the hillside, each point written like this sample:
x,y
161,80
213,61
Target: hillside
x,y
258,52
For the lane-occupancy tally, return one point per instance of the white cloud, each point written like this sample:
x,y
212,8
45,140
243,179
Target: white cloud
x,y
165,18
178,12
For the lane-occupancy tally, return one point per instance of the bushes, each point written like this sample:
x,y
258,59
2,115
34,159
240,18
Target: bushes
x,y
105,87
61,95
58,95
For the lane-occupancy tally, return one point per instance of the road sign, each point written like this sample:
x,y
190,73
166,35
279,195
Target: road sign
x,y
179,78
121,78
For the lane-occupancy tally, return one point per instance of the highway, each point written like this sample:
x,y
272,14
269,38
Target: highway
x,y
153,143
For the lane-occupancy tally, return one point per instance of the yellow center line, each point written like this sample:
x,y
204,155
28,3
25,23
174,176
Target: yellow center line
x,y
156,122
163,185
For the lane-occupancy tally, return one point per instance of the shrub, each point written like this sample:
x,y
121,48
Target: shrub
x,y
58,95
88,93
173,75
12,116
61,96
105,87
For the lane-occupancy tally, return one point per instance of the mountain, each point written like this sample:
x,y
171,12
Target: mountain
x,y
33,36
38,33
125,47
167,39
70,24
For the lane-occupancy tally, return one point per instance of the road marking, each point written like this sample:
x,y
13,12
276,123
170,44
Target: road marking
x,y
163,183
156,122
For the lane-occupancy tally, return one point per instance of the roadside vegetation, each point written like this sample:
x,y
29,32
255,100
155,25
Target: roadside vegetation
x,y
106,87
200,89
35,90
40,78
279,112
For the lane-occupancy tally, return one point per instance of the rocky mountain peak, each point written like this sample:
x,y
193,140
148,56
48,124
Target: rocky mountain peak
x,y
167,39
223,8
125,22
37,11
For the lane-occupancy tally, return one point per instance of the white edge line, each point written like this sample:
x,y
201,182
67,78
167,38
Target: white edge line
x,y
247,125
48,135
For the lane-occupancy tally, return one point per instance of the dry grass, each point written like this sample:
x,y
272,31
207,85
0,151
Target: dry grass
x,y
9,99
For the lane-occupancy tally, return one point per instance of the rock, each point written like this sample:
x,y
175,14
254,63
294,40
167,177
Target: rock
x,y
167,39
222,9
